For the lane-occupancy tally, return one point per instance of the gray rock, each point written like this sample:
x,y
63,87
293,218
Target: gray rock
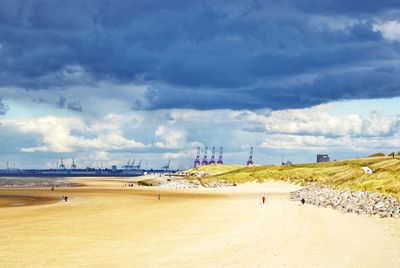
x,y
349,201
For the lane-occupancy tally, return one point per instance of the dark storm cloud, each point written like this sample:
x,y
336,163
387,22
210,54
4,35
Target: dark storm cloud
x,y
75,106
60,104
71,105
204,54
3,107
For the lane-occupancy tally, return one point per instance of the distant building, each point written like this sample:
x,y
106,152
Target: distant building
x,y
322,158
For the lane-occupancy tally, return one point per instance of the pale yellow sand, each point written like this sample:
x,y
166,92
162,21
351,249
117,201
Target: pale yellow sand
x,y
106,225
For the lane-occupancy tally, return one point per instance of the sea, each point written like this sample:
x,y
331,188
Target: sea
x,y
26,182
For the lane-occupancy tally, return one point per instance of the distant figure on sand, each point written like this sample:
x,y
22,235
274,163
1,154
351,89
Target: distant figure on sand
x,y
65,198
263,199
159,196
302,201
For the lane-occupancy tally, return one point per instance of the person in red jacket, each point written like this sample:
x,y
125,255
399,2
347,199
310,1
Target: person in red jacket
x,y
263,199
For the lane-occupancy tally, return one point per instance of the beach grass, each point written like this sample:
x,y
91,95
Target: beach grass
x,y
345,174
215,169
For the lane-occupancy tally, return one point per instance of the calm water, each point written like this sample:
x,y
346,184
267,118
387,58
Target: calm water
x,y
34,182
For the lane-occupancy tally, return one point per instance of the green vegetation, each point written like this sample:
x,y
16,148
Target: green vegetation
x,y
345,174
376,155
144,183
214,169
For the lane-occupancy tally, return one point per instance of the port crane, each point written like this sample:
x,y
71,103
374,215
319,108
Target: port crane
x,y
197,162
220,160
205,161
62,166
212,160
138,166
250,160
73,165
130,164
166,167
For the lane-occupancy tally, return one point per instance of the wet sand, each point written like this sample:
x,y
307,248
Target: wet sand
x,y
104,224
17,200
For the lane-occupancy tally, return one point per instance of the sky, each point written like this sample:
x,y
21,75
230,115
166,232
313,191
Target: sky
x,y
108,81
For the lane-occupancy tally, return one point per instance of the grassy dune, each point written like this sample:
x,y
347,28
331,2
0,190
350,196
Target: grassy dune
x,y
215,169
345,174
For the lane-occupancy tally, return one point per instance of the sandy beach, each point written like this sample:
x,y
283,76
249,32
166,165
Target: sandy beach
x,y
105,224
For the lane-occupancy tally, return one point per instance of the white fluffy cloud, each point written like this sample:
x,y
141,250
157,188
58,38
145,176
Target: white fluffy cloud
x,y
210,116
316,129
169,138
162,135
329,144
305,143
60,134
317,121
390,30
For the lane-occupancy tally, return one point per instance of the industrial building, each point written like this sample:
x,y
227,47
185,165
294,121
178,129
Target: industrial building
x,y
322,158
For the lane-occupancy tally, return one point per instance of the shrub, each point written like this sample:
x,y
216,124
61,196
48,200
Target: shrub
x,y
144,183
377,155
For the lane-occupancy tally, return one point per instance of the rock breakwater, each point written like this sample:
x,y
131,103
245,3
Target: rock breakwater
x,y
217,184
179,184
186,184
348,201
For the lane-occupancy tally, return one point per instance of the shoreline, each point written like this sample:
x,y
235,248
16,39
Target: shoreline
x,y
28,182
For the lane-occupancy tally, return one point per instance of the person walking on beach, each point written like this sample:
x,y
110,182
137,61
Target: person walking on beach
x,y
263,199
159,196
302,201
